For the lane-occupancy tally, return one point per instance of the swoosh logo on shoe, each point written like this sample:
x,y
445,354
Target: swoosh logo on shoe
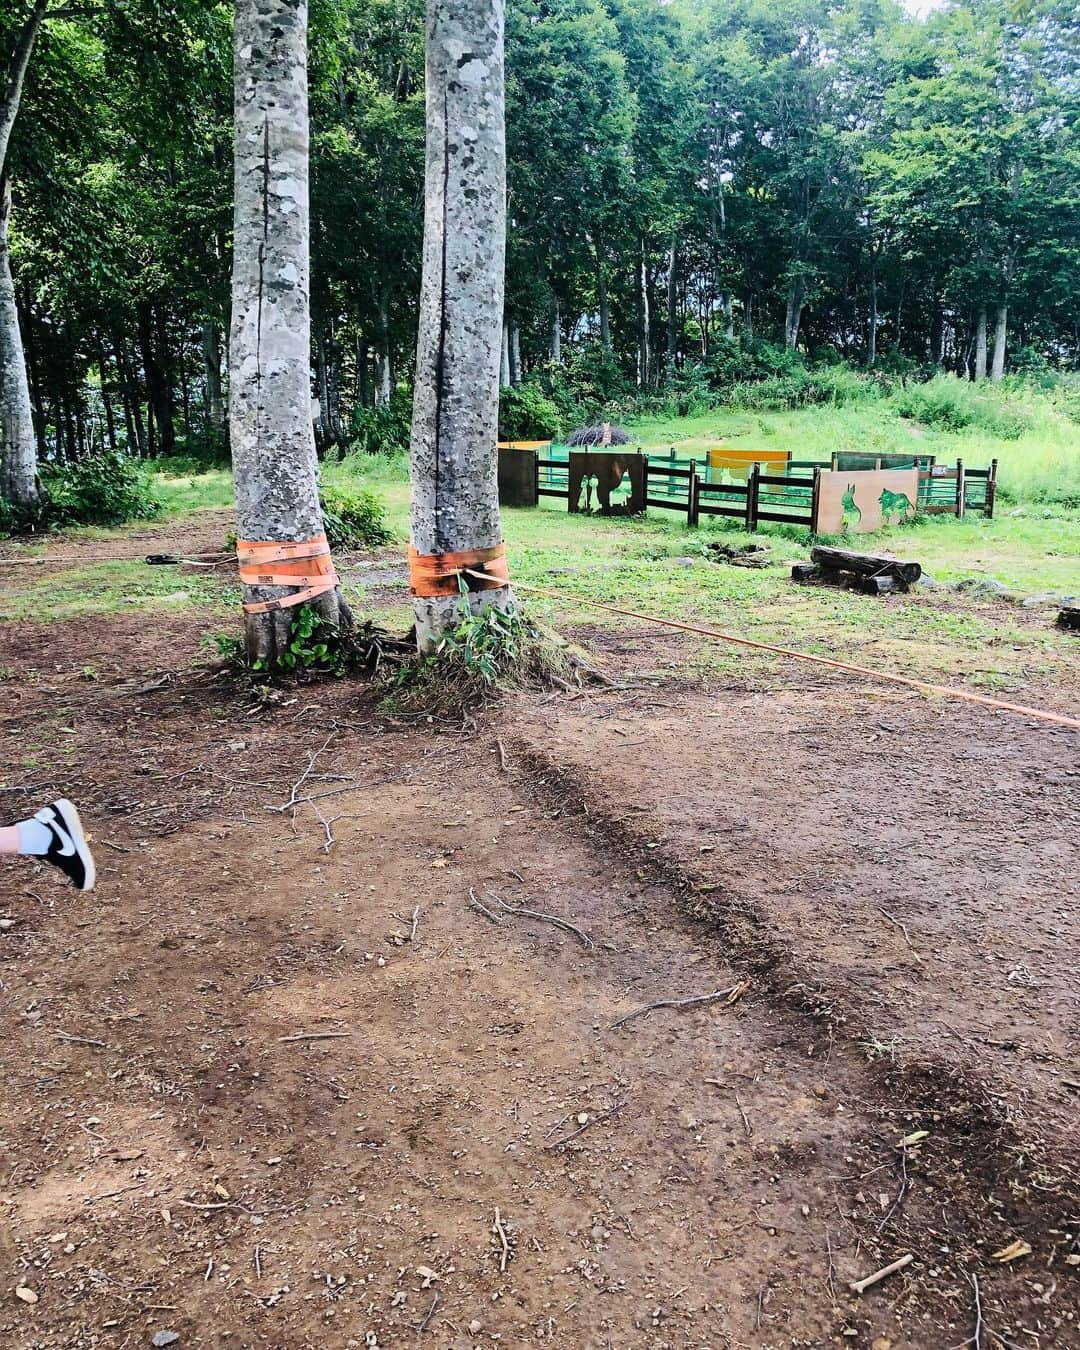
x,y
67,844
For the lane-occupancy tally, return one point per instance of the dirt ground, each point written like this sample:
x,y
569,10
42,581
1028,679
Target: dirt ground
x,y
294,1077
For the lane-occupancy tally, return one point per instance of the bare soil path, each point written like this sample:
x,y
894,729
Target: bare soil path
x,y
173,1159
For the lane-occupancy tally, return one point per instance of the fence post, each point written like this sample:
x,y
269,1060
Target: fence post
x,y
991,490
671,481
692,495
752,497
815,500
960,490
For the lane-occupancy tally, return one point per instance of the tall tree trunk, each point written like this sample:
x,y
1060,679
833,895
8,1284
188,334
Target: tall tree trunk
x,y
728,311
215,407
106,393
455,499
980,345
275,468
556,330
871,336
793,316
386,374
1001,327
672,301
645,334
504,358
33,370
18,444
158,397
322,384
515,353
602,297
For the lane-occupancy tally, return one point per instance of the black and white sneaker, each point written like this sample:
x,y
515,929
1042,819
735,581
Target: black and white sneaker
x,y
68,848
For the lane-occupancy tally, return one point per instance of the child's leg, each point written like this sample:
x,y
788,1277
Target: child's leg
x,y
9,839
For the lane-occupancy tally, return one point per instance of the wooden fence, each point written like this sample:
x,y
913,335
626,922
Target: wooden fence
x,y
790,498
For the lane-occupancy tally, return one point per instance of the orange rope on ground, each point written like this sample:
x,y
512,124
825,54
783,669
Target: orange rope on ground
x,y
437,573
305,564
1060,719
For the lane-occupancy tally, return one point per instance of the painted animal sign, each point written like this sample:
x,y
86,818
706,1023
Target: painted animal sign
x,y
859,501
596,475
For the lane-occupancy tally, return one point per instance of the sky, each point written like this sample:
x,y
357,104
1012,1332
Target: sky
x,y
921,8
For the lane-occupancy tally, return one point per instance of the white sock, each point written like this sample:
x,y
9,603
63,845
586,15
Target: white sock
x,y
34,837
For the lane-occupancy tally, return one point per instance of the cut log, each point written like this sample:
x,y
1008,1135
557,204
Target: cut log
x,y
804,571
865,564
881,585
1069,617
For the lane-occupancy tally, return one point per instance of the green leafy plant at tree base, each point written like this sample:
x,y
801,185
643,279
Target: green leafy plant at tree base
x,y
353,518
484,655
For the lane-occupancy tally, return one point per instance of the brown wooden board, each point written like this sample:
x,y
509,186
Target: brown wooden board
x,y
856,502
517,477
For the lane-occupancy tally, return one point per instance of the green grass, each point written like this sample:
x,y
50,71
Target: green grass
x,y
940,635
1042,464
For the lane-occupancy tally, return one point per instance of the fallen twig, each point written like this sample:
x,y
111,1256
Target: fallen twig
x,y
903,1187
80,1040
503,764
859,1286
482,907
593,1120
564,924
907,937
730,995
314,1036
497,1227
745,1117
430,1314
415,919
976,1338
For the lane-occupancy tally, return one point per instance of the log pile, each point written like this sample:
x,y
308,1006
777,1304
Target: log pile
x,y
1069,617
867,572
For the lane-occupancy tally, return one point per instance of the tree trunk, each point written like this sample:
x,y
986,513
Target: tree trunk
x,y
871,336
980,345
33,370
793,316
556,330
275,468
602,299
504,360
672,302
158,398
728,312
215,408
1001,327
106,394
455,499
645,335
386,374
515,353
18,445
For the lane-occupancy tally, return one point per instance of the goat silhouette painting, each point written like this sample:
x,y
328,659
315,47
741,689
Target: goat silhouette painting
x,y
897,504
595,476
852,515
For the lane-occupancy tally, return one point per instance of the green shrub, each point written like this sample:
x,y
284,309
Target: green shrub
x,y
108,489
527,414
952,404
353,518
381,430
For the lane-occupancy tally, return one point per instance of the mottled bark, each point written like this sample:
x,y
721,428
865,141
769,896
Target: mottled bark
x,y
455,500
18,446
386,368
504,360
556,333
645,329
275,468
871,336
1001,328
980,345
215,406
672,302
793,315
515,353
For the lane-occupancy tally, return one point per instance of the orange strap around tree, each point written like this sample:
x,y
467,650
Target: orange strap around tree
x,y
433,574
305,565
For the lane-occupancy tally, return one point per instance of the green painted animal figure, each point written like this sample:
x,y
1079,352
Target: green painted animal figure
x,y
851,513
897,504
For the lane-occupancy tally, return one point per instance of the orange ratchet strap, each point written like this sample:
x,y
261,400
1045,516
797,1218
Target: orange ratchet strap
x,y
306,565
484,569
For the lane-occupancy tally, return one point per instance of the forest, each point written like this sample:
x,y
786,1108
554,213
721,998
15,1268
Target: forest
x,y
699,194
